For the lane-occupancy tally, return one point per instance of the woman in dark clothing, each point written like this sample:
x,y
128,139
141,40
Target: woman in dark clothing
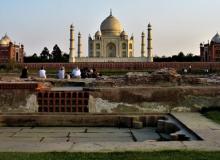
x,y
24,73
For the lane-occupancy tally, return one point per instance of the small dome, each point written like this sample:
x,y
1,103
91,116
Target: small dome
x,y
123,33
216,38
149,25
111,25
5,40
98,34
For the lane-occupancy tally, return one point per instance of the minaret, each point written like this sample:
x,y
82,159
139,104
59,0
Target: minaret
x,y
79,45
72,46
143,44
149,44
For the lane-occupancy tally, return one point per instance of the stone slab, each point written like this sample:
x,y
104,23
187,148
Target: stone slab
x,y
145,134
100,139
55,129
34,147
107,130
41,134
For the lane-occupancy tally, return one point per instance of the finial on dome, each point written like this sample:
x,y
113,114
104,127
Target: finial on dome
x,y
72,26
110,12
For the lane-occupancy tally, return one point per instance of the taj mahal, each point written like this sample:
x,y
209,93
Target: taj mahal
x,y
111,44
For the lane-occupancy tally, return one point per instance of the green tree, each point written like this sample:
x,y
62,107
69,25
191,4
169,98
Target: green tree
x,y
56,53
65,57
45,55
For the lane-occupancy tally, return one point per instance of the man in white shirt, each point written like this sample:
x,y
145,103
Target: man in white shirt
x,y
61,73
76,73
42,73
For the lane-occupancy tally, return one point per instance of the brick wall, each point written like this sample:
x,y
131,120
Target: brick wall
x,y
129,65
22,86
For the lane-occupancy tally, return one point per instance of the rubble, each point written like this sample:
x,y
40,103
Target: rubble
x,y
166,75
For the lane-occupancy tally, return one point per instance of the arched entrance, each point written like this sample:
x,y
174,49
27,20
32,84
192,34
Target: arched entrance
x,y
111,50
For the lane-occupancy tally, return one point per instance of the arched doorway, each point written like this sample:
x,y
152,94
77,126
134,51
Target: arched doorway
x,y
111,50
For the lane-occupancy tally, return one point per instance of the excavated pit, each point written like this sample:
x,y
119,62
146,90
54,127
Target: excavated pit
x,y
120,110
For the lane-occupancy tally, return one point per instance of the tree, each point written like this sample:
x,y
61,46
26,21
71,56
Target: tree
x,y
178,58
65,57
56,53
181,57
45,55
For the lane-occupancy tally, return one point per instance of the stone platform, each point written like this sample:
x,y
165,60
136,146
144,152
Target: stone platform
x,y
67,139
121,59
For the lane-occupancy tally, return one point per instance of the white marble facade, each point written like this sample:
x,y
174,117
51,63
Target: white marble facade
x,y
110,44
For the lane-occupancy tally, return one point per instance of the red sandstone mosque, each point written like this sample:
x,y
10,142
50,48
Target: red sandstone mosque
x,y
10,52
210,52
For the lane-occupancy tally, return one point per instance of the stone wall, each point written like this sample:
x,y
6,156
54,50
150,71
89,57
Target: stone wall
x,y
17,100
155,99
18,97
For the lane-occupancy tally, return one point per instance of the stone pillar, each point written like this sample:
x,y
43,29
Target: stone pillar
x,y
72,46
149,42
143,44
79,45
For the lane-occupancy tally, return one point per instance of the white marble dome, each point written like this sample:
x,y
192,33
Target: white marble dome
x,y
111,26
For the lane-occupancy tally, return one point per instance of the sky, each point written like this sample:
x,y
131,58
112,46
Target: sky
x,y
178,25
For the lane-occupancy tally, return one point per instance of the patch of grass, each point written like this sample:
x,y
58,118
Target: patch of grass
x,y
213,115
165,155
212,112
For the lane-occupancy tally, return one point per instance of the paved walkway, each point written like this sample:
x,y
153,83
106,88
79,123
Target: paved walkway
x,y
208,130
77,140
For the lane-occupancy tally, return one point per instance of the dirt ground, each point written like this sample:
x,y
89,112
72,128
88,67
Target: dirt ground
x,y
161,91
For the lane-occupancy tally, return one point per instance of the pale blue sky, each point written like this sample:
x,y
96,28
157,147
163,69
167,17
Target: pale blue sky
x,y
178,25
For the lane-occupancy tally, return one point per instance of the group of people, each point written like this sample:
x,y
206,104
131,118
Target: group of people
x,y
187,70
76,73
41,73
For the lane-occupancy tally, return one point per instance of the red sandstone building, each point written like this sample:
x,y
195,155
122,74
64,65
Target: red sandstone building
x,y
10,52
210,52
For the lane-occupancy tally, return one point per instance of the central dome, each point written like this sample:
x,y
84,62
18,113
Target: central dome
x,y
111,26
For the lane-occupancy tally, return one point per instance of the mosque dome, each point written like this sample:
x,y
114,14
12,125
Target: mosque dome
x,y
5,40
111,26
216,38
